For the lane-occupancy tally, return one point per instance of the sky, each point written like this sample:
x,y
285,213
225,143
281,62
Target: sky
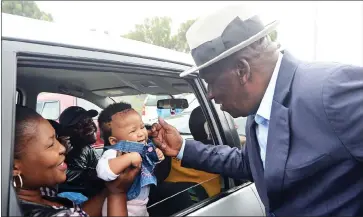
x,y
338,35
121,16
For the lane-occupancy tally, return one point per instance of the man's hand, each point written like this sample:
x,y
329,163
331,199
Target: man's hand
x,y
166,137
124,181
160,154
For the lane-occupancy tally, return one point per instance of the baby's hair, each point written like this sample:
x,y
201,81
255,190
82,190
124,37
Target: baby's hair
x,y
105,118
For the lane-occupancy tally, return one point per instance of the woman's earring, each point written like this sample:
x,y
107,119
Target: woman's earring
x,y
20,180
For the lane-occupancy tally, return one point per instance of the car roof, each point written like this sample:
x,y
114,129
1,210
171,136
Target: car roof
x,y
23,28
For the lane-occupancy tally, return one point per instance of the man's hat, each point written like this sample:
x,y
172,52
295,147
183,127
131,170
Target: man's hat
x,y
73,114
224,32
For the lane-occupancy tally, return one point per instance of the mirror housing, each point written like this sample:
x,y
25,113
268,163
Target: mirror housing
x,y
172,104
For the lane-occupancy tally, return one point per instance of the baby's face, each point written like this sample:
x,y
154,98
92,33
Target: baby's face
x,y
128,126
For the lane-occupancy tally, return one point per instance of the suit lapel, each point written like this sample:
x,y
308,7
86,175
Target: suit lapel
x,y
278,141
278,144
255,160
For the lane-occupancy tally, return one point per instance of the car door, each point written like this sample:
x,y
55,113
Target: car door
x,y
241,198
9,202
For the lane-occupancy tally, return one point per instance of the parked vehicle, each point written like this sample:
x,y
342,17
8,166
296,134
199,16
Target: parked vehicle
x,y
97,69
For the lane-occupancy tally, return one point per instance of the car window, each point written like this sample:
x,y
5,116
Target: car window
x,y
151,100
51,105
88,105
182,187
51,110
240,124
48,109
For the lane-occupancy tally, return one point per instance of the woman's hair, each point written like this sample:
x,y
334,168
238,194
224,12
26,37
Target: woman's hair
x,y
26,121
105,118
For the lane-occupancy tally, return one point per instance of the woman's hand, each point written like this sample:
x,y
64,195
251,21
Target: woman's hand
x,y
135,158
124,180
160,154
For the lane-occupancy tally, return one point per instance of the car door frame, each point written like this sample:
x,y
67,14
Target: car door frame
x,y
8,102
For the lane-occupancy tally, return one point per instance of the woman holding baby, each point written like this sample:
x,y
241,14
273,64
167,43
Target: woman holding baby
x,y
39,162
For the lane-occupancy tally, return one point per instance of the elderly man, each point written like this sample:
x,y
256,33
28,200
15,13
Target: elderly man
x,y
304,131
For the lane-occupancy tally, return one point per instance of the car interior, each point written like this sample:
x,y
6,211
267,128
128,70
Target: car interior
x,y
101,80
103,88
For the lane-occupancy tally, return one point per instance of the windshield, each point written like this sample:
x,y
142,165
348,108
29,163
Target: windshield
x,y
181,121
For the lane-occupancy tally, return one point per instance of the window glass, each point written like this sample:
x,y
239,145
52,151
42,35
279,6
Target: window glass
x,y
240,124
51,105
182,187
51,110
88,106
151,100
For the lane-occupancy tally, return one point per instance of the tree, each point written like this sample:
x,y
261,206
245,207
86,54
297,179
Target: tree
x,y
157,31
25,8
273,35
180,38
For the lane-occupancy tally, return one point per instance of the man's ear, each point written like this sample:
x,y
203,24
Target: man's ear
x,y
243,71
112,140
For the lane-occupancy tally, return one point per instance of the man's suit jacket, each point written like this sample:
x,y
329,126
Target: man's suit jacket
x,y
314,148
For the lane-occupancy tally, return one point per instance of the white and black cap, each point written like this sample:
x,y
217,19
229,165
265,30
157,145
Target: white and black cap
x,y
224,32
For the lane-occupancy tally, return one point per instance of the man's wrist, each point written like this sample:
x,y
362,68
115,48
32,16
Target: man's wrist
x,y
181,151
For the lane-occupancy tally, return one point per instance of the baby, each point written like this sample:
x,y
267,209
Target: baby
x,y
126,145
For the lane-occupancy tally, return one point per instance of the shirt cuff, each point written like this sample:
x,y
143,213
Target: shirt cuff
x,y
181,152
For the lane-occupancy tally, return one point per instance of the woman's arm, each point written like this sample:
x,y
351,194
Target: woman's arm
x,y
116,205
93,206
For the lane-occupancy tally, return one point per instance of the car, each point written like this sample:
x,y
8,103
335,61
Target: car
x,y
103,70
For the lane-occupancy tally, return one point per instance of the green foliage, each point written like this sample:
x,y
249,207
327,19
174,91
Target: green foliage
x,y
157,31
273,35
26,9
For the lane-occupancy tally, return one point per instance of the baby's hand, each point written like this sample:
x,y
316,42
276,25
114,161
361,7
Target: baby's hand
x,y
160,154
135,158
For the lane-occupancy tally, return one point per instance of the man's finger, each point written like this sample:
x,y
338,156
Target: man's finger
x,y
164,124
155,127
